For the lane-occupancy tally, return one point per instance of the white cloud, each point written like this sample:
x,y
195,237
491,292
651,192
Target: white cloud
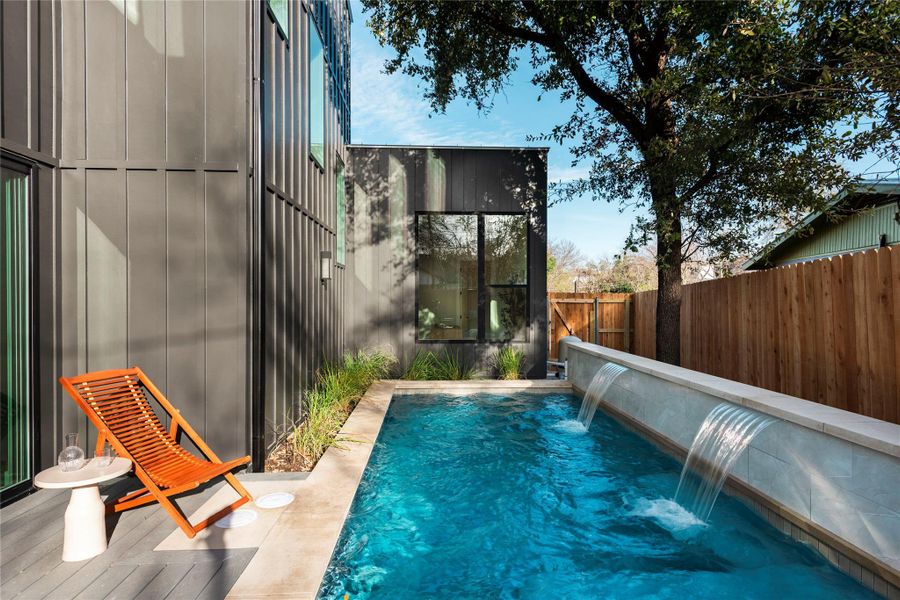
x,y
391,109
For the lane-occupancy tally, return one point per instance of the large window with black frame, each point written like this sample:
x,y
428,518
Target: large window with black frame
x,y
471,277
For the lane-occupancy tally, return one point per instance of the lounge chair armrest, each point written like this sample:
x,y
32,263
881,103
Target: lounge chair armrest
x,y
173,429
101,441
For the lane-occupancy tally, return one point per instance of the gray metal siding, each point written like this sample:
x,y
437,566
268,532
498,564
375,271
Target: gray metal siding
x,y
386,187
302,323
137,116
28,51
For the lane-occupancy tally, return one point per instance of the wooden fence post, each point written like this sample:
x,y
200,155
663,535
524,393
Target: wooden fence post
x,y
627,324
597,321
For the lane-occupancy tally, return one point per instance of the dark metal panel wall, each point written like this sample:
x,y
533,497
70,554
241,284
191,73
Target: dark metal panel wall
x,y
29,83
152,214
27,76
302,328
386,187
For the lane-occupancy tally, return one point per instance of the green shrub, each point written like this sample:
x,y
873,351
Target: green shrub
x,y
508,363
337,390
428,366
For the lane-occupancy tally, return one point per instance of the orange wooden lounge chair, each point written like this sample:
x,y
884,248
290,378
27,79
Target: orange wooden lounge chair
x,y
117,404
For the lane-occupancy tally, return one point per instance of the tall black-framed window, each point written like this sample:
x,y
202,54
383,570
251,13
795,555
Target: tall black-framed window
x,y
505,255
17,328
471,277
316,94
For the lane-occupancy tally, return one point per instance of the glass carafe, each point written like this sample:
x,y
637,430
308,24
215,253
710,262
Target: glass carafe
x,y
72,456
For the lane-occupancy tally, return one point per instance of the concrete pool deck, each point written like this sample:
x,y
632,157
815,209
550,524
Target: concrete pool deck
x,y
295,552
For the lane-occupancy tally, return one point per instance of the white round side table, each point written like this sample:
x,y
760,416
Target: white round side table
x,y
85,532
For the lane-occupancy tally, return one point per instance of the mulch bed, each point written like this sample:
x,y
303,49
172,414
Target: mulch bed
x,y
283,459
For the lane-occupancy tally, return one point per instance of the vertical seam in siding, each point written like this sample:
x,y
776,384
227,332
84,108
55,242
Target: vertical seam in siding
x,y
125,67
205,271
85,86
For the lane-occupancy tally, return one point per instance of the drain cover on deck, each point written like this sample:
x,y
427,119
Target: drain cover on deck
x,y
275,500
238,518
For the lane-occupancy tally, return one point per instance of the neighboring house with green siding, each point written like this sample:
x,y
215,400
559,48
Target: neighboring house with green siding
x,y
859,218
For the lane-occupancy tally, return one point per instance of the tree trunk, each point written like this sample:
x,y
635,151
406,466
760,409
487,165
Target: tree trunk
x,y
659,151
667,211
668,307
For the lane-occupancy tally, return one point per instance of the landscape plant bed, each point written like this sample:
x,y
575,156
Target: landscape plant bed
x,y
338,389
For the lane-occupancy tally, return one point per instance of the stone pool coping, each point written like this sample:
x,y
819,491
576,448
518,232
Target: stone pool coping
x,y
294,555
875,434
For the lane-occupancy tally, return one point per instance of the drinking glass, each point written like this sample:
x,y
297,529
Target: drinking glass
x,y
105,456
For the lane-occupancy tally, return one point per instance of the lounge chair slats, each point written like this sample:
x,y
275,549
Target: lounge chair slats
x,y
118,403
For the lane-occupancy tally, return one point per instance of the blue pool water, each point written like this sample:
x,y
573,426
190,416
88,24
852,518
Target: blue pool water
x,y
507,497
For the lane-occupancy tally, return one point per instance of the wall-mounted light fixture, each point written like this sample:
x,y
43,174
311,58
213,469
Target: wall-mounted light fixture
x,y
325,260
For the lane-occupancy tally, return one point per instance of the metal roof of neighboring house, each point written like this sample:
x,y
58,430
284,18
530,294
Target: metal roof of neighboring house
x,y
450,147
886,187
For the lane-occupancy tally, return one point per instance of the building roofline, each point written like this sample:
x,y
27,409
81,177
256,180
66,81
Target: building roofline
x,y
446,147
883,186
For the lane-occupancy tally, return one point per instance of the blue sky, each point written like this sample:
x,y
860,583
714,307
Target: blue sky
x,y
401,116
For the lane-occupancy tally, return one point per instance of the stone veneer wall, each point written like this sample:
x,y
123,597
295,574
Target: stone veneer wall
x,y
842,496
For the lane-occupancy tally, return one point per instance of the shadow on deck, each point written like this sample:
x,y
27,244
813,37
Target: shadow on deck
x,y
31,536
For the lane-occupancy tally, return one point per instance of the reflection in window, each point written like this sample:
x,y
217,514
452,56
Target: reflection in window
x,y
316,89
279,10
505,250
447,258
506,276
507,310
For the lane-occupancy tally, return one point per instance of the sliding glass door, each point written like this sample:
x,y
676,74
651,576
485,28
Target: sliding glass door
x,y
15,327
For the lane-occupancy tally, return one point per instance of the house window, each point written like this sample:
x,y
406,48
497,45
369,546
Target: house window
x,y
340,227
472,277
316,90
506,276
279,10
447,263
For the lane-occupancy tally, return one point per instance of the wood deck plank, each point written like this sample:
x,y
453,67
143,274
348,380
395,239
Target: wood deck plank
x,y
136,582
165,581
130,568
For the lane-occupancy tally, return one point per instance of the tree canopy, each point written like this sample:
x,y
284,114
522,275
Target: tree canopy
x,y
721,118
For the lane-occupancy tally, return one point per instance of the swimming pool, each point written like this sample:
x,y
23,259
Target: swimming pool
x,y
506,496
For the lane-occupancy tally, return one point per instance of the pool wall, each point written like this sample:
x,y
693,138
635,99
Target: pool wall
x,y
827,477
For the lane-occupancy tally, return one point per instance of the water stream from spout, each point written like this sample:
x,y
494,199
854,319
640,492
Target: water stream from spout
x,y
600,384
727,430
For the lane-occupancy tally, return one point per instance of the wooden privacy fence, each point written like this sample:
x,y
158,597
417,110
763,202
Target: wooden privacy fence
x,y
601,318
827,330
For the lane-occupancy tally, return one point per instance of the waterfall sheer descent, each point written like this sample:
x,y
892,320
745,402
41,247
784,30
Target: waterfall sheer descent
x,y
725,432
595,392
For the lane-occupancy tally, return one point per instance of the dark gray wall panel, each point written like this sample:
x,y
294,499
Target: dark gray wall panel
x,y
147,274
72,122
186,296
27,75
185,98
146,55
107,270
72,300
46,315
16,72
226,313
105,84
225,82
